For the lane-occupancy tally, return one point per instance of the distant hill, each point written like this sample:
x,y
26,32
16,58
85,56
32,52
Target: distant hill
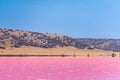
x,y
19,38
103,44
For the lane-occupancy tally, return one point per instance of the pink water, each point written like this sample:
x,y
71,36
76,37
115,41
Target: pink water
x,y
59,68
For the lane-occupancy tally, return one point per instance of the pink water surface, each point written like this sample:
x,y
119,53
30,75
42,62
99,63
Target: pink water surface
x,y
59,68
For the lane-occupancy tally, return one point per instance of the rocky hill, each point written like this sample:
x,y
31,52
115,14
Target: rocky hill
x,y
19,38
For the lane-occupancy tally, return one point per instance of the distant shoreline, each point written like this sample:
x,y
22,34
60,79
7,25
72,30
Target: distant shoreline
x,y
62,55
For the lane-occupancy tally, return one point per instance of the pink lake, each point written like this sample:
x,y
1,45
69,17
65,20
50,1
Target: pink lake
x,y
23,68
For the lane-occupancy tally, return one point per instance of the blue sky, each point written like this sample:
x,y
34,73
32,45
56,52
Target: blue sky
x,y
75,18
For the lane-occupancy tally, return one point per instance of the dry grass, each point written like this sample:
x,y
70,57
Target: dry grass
x,y
56,51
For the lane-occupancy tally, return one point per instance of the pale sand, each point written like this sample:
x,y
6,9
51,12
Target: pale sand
x,y
55,51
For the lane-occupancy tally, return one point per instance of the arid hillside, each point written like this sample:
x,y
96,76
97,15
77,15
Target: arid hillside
x,y
17,38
